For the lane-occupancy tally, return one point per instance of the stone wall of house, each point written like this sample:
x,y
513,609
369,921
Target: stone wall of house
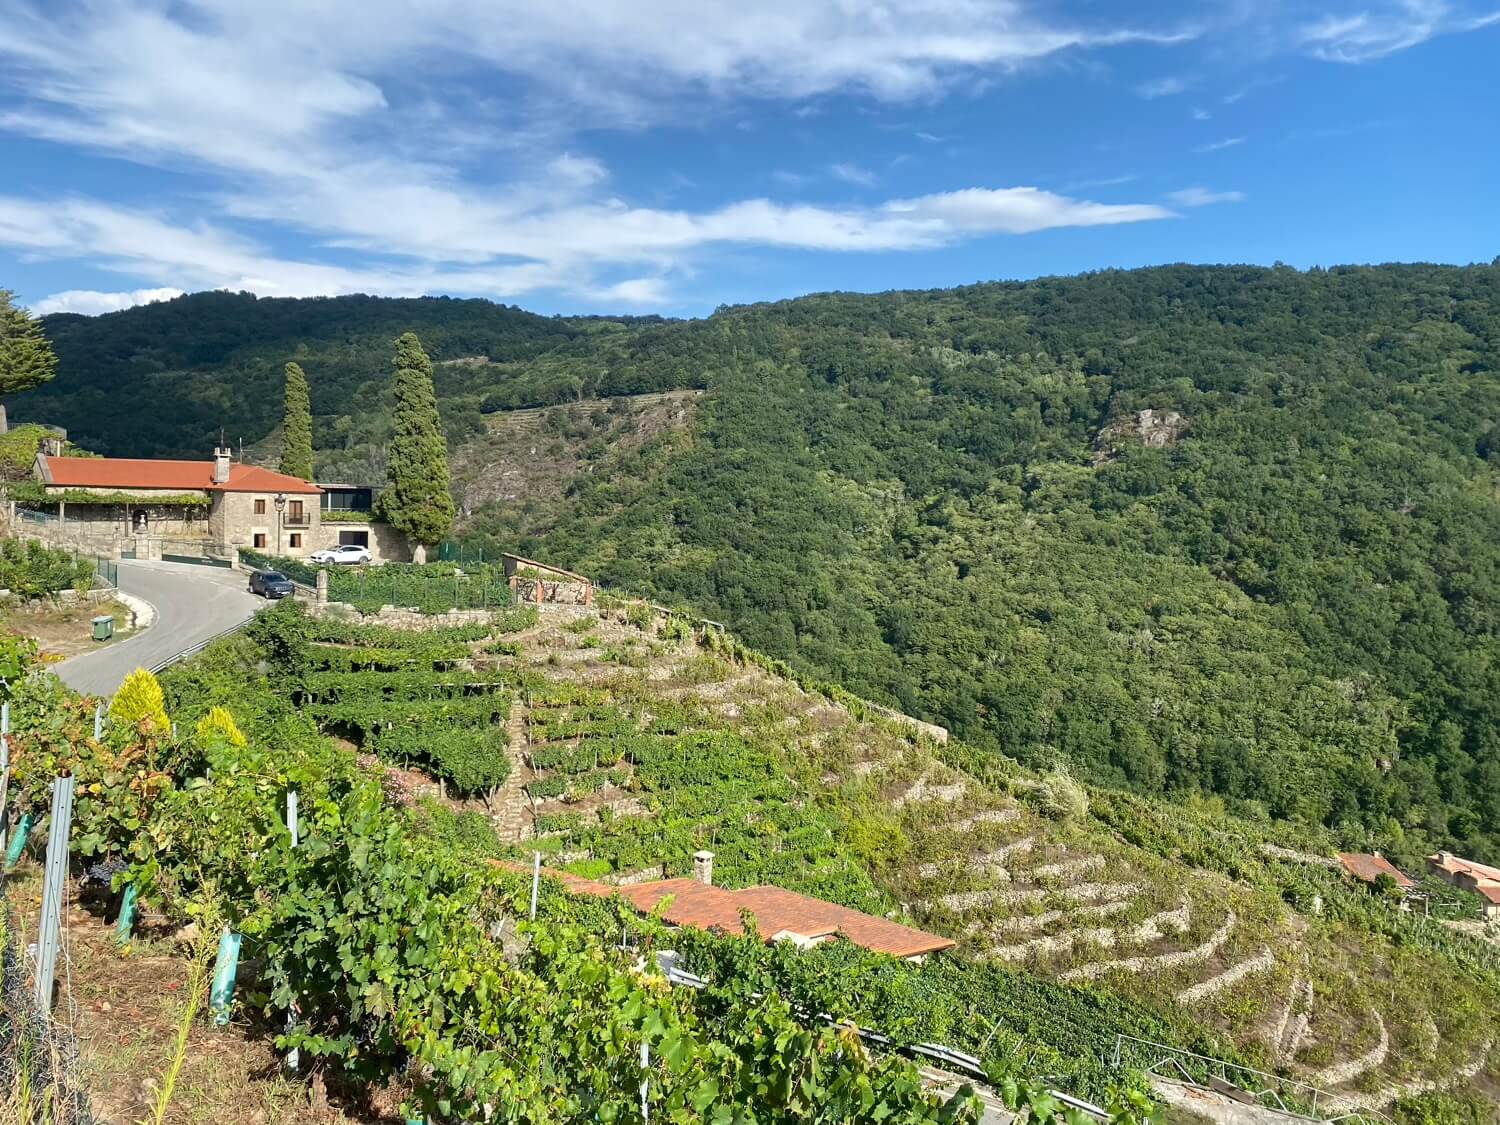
x,y
385,542
38,606
540,591
236,523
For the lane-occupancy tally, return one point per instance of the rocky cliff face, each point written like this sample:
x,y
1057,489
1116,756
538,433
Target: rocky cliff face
x,y
1155,429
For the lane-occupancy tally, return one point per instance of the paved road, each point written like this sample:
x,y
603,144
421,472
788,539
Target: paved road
x,y
192,604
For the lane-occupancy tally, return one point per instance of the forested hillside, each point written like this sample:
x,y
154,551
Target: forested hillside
x,y
1278,587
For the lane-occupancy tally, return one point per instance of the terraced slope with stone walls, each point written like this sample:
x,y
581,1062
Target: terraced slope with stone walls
x,y
647,742
628,739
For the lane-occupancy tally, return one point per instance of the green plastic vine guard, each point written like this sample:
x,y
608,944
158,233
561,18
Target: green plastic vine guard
x,y
127,916
18,841
221,995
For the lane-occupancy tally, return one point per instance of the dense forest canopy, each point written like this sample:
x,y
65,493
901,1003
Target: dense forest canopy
x,y
1279,586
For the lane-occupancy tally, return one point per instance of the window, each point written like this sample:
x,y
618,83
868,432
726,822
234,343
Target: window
x,y
260,541
295,511
296,539
260,507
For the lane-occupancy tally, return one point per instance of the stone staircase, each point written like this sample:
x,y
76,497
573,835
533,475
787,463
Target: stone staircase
x,y
513,817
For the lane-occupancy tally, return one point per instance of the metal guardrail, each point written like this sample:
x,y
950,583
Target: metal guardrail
x,y
193,650
1264,1087
950,1057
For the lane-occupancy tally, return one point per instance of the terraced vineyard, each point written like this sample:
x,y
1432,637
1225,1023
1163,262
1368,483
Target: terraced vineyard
x,y
641,743
620,742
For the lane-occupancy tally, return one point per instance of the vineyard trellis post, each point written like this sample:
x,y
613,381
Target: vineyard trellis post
x,y
293,1056
49,931
4,774
645,1080
536,878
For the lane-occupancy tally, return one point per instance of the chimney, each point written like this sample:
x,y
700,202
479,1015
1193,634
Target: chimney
x,y
222,455
703,868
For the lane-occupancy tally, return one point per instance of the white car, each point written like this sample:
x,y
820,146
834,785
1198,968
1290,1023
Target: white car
x,y
348,555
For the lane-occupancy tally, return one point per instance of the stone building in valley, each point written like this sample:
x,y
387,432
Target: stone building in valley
x,y
149,508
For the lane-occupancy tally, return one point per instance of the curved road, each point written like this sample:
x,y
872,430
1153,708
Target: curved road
x,y
192,604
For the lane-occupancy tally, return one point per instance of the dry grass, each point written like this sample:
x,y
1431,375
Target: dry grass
x,y
125,1010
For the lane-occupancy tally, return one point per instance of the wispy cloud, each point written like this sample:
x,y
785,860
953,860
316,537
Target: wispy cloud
x,y
561,249
1242,92
1386,26
1161,87
1201,114
1108,181
1217,146
852,174
1203,197
91,302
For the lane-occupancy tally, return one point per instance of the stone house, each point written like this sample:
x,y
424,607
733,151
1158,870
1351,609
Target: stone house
x,y
114,505
215,506
1478,877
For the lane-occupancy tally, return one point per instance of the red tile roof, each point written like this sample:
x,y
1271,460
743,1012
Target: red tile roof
x,y
1370,867
177,476
776,911
1480,877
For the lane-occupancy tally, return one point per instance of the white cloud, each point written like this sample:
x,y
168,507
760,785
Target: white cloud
x,y
1201,115
1161,88
91,302
1218,146
1015,211
558,249
651,291
1202,197
1386,26
357,123
852,174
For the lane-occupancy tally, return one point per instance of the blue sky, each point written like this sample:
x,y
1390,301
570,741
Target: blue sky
x,y
672,155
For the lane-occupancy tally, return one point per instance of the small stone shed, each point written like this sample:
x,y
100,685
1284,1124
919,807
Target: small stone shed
x,y
535,583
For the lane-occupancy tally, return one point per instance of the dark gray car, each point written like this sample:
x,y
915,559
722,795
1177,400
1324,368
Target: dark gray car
x,y
271,584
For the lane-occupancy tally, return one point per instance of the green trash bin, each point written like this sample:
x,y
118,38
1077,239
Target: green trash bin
x,y
104,628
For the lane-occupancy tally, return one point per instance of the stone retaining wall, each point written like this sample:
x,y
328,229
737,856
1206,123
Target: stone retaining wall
x,y
64,598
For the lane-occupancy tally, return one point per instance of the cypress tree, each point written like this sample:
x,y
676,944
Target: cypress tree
x,y
416,500
26,358
296,426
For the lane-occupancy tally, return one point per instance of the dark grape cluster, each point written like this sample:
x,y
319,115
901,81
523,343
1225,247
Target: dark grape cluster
x,y
104,871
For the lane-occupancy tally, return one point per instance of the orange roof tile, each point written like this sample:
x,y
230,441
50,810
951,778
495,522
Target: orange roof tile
x,y
177,476
1482,878
1370,867
776,911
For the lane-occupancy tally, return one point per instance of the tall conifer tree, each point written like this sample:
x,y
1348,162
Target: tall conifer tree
x,y
296,426
26,358
416,500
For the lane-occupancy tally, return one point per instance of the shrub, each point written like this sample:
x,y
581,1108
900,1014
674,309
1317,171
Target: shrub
x,y
1061,797
140,700
219,723
33,570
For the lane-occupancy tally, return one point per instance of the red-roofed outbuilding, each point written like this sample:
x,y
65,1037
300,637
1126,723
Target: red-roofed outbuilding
x,y
780,915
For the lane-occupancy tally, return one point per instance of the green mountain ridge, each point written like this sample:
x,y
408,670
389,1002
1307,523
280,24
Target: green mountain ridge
x,y
1283,599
